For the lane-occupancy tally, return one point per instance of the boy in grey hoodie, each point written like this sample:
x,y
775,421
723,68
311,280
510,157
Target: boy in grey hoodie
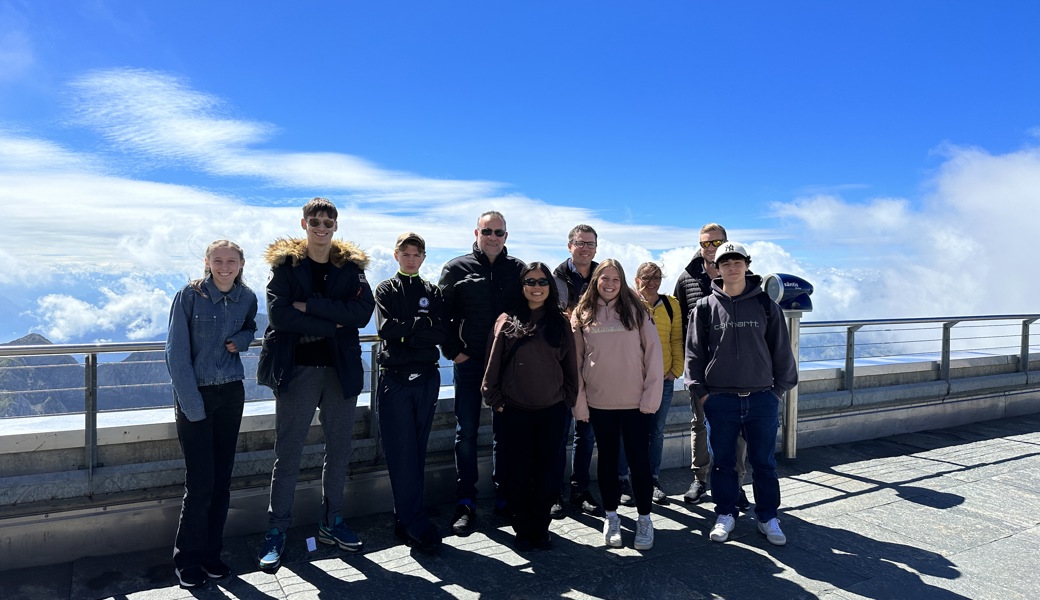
x,y
738,365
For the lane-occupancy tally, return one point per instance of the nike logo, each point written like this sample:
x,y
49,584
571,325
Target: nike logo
x,y
412,376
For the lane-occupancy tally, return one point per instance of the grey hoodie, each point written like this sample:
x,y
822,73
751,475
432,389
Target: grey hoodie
x,y
742,350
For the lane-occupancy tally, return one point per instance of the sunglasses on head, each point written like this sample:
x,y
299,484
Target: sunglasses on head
x,y
315,221
715,243
488,231
541,282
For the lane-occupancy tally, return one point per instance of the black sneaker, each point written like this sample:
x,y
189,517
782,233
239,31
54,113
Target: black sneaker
x,y
625,496
743,505
464,519
587,503
190,577
659,496
556,510
427,541
695,493
216,569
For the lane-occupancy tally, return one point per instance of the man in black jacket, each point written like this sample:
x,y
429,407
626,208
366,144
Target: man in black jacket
x,y
572,279
477,287
695,283
409,312
317,300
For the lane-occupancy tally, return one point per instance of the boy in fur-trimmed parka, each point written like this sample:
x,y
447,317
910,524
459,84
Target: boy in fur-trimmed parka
x,y
317,300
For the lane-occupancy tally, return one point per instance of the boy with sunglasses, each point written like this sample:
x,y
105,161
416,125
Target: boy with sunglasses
x,y
477,288
695,283
317,300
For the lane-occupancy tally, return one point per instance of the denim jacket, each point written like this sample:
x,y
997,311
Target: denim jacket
x,y
199,328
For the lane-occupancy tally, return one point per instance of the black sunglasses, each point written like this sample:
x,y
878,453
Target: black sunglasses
x,y
541,281
497,232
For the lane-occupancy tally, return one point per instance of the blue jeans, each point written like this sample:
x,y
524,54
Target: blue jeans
x,y
405,418
581,460
209,458
656,435
468,401
755,416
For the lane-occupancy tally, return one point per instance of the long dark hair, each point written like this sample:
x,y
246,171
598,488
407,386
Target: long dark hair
x,y
554,322
630,308
196,284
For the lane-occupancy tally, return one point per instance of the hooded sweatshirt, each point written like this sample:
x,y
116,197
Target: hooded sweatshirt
x,y
618,368
742,350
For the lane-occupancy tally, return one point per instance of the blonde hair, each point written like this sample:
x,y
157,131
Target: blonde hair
x,y
196,284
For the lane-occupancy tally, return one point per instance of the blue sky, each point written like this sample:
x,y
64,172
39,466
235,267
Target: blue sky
x,y
875,148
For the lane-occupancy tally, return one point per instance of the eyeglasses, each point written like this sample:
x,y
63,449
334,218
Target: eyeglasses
x,y
541,282
581,244
328,223
650,278
715,243
488,231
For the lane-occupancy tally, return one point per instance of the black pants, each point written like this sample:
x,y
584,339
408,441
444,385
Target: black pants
x,y
209,458
611,426
530,443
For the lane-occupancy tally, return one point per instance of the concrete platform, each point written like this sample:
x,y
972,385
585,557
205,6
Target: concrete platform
x,y
949,513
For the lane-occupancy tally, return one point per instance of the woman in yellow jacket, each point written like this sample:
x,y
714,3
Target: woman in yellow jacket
x,y
664,310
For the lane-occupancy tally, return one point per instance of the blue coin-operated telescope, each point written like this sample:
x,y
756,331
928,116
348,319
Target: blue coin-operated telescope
x,y
790,292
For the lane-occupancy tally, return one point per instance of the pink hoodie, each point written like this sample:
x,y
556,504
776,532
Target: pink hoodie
x,y
619,369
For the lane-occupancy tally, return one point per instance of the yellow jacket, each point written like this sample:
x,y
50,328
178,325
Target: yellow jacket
x,y
670,332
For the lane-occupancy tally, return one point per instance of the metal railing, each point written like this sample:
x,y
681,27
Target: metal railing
x,y
898,330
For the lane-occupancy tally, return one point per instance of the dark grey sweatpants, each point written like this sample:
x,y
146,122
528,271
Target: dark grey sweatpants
x,y
311,388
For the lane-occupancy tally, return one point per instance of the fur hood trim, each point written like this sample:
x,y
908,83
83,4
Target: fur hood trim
x,y
284,249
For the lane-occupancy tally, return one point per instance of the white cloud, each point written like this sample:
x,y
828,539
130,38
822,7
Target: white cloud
x,y
133,309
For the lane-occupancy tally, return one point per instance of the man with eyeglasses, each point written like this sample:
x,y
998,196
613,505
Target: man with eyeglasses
x,y
317,300
572,279
477,287
695,283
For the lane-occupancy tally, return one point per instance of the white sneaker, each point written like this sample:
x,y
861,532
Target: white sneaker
x,y
644,533
723,525
612,530
771,529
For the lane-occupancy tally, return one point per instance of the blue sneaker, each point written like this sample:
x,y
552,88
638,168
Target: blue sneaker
x,y
340,535
270,556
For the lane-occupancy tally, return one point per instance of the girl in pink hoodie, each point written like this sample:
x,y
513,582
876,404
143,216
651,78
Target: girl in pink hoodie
x,y
620,376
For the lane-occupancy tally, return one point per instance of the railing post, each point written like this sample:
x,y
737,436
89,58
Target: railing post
x,y
944,363
791,407
373,404
90,449
1023,360
850,356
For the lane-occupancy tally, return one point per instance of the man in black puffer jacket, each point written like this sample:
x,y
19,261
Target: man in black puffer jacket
x,y
477,287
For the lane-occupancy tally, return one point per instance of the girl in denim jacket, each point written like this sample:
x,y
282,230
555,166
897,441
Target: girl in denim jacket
x,y
212,320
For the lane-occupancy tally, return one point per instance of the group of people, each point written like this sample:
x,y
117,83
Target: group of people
x,y
559,355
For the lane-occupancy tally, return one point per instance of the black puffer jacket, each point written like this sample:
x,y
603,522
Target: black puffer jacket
x,y
475,292
693,284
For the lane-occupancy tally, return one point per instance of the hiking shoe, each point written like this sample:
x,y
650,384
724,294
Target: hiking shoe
x,y
659,496
695,493
743,505
556,510
338,534
612,530
190,577
723,525
464,519
771,529
216,569
625,496
587,503
644,533
270,555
